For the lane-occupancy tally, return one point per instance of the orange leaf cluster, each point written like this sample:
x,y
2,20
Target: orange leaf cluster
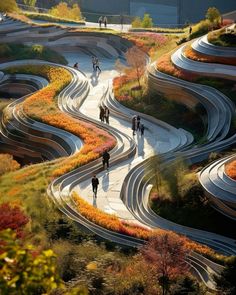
x,y
8,163
108,221
231,170
165,65
112,222
42,106
192,54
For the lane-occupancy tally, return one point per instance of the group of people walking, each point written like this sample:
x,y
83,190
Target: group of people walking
x,y
136,125
104,114
95,63
105,163
102,20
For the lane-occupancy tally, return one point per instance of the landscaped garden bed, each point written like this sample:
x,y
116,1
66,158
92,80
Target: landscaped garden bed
x,y
230,170
42,106
194,55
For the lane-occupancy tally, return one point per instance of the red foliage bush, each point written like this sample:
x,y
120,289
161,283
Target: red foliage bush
x,y
11,216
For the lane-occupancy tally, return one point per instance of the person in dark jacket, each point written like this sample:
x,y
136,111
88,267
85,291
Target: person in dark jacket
x,y
95,183
106,114
134,124
138,122
105,159
102,113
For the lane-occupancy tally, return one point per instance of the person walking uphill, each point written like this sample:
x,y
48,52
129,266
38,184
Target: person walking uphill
x,y
95,183
105,159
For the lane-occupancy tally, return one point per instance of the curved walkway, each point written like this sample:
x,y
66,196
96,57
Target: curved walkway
x,y
159,137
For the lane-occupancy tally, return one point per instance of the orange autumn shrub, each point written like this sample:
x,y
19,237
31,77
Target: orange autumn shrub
x,y
108,221
194,55
113,223
230,170
8,164
165,65
42,106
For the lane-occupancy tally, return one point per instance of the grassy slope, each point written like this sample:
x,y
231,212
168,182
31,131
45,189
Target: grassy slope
x,y
19,51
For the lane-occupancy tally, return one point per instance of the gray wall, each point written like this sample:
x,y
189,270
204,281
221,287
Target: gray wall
x,y
195,10
162,11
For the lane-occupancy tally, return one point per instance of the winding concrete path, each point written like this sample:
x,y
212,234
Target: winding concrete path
x,y
81,98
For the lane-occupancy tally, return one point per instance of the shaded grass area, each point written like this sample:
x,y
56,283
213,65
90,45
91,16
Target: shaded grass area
x,y
221,38
168,111
201,216
19,51
187,204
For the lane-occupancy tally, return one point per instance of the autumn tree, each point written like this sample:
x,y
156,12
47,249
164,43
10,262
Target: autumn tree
x,y
23,271
8,164
11,216
62,10
136,59
166,253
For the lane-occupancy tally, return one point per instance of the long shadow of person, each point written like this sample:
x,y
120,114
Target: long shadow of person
x,y
94,78
141,146
105,182
95,201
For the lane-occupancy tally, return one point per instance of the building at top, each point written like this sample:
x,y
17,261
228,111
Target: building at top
x,y
170,12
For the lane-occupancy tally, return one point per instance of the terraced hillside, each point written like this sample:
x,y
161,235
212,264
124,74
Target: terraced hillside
x,y
56,124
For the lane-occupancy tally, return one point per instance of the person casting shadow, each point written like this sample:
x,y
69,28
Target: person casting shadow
x,y
95,183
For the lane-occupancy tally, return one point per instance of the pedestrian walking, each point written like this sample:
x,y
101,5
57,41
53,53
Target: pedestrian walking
x,y
95,183
142,129
101,114
94,63
106,114
190,30
97,65
105,21
100,21
138,122
134,124
76,66
105,159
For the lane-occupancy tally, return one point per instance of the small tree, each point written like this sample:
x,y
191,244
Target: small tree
x,y
62,10
12,217
213,15
154,169
173,174
22,270
136,59
137,22
166,252
30,2
119,66
147,21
